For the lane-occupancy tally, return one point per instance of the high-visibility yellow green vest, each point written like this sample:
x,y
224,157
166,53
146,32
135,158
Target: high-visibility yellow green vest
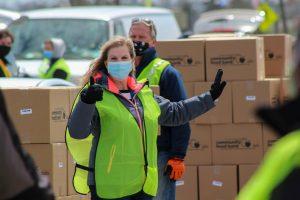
x,y
4,69
278,163
46,73
153,71
80,150
126,156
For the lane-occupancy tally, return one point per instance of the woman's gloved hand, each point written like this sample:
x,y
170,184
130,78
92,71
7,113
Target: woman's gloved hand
x,y
217,87
92,94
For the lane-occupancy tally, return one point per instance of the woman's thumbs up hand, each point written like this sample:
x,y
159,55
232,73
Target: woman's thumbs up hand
x,y
93,93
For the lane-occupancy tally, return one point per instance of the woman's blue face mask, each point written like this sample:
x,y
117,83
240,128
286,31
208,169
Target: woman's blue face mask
x,y
119,70
47,54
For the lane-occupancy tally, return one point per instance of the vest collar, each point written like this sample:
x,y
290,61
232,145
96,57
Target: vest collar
x,y
108,83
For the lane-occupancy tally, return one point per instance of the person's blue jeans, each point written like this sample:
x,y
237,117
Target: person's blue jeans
x,y
166,187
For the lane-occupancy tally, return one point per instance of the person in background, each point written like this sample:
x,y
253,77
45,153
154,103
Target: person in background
x,y
278,176
54,65
8,67
19,177
172,141
122,116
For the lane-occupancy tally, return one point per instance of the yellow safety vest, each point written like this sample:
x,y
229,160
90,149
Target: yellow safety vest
x,y
46,73
153,71
126,161
4,69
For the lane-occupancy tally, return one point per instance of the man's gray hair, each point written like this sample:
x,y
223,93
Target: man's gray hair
x,y
147,22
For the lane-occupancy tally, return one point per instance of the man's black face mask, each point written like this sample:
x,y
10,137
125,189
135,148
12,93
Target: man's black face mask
x,y
4,50
140,47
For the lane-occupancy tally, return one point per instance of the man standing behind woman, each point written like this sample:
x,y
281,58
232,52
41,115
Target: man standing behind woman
x,y
172,141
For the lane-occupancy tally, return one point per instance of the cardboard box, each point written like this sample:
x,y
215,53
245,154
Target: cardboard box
x,y
278,54
187,187
51,159
286,88
249,95
186,55
199,149
241,58
73,94
245,173
213,35
39,114
269,137
237,143
222,112
155,90
71,171
85,197
75,197
189,88
217,182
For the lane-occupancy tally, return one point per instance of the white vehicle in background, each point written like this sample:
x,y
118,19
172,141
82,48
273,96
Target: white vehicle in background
x,y
7,17
84,30
241,21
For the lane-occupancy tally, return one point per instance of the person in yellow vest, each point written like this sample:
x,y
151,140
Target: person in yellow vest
x,y
6,41
172,141
113,127
54,65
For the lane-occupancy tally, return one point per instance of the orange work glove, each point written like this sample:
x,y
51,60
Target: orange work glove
x,y
175,168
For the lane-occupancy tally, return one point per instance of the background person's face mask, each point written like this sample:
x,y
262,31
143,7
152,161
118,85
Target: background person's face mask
x,y
140,47
119,70
47,54
4,50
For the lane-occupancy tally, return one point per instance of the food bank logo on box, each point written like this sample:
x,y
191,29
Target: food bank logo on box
x,y
196,145
182,60
271,55
275,101
236,59
235,143
59,114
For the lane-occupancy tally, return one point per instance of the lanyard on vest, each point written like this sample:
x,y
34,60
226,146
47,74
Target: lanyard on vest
x,y
141,125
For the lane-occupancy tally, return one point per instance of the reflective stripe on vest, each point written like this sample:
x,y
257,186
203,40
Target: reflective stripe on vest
x,y
122,171
4,69
153,71
59,64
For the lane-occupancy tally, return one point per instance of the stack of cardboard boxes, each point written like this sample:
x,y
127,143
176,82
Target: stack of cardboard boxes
x,y
40,116
228,142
